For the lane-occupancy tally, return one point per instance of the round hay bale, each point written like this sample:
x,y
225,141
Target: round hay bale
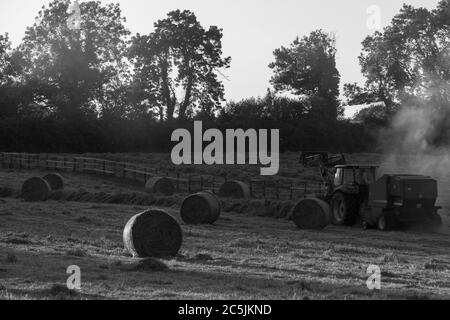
x,y
153,233
160,185
35,190
311,214
55,181
234,189
200,208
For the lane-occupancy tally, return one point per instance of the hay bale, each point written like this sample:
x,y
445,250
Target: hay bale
x,y
35,190
235,190
153,233
160,185
55,181
200,208
311,214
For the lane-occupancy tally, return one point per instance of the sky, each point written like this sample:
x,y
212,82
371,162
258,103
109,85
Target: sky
x,y
252,29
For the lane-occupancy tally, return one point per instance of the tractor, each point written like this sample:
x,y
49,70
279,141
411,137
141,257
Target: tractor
x,y
353,192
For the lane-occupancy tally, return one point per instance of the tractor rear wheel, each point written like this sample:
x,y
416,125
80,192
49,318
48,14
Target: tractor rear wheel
x,y
344,209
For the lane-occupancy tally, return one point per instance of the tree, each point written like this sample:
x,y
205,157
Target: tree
x,y
5,59
10,93
308,67
180,56
409,61
381,72
374,116
72,72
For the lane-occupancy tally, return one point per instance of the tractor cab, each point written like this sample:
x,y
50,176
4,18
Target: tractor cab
x,y
354,180
354,175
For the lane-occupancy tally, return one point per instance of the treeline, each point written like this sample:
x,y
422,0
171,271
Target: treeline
x,y
92,86
307,132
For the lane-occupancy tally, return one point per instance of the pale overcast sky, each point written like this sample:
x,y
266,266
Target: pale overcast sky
x,y
252,29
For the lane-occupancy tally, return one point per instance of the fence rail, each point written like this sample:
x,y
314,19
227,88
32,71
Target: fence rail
x,y
259,188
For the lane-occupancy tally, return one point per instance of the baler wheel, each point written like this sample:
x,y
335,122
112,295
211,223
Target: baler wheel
x,y
344,209
386,222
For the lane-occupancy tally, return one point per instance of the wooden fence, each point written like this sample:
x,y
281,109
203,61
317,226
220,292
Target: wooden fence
x,y
259,188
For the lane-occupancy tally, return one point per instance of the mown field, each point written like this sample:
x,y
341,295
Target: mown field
x,y
247,254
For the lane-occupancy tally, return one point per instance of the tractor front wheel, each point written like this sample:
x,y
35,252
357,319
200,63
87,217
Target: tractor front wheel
x,y
344,209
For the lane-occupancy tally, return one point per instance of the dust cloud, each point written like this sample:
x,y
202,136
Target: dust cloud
x,y
409,147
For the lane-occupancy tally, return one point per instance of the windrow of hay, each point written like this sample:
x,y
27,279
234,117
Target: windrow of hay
x,y
153,233
200,208
259,207
160,185
35,190
311,214
235,190
133,198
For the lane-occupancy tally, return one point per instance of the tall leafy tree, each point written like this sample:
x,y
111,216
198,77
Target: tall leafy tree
x,y
5,59
409,62
308,67
177,66
383,74
10,92
74,71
